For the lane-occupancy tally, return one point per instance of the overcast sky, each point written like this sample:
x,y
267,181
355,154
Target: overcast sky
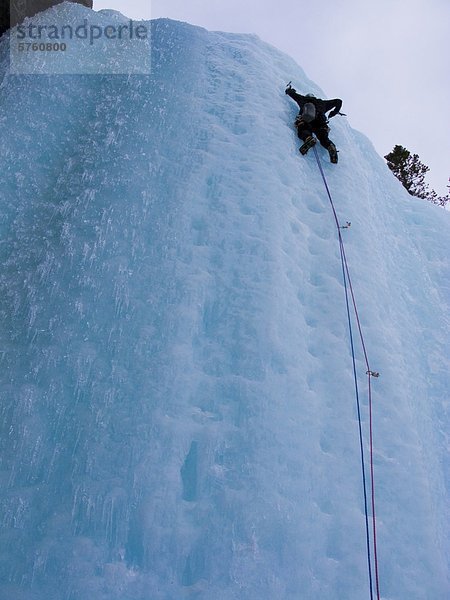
x,y
389,60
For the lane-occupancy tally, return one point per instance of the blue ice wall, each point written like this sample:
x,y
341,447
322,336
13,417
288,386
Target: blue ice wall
x,y
177,411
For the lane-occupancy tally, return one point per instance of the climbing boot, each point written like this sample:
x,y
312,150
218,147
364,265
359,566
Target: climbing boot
x,y
309,143
333,153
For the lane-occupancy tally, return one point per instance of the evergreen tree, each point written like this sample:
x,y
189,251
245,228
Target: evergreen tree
x,y
410,171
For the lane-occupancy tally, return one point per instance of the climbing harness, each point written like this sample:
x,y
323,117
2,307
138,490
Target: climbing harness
x,y
372,563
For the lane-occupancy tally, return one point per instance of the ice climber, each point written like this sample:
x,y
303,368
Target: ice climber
x,y
312,119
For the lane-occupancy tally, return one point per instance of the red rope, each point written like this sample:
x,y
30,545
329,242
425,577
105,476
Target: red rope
x,y
369,375
370,405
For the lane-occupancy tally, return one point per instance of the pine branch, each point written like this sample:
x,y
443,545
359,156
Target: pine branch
x,y
410,171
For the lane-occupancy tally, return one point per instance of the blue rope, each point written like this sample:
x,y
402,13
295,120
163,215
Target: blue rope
x,y
355,378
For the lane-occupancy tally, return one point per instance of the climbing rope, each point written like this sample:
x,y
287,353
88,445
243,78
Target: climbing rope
x,y
349,294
